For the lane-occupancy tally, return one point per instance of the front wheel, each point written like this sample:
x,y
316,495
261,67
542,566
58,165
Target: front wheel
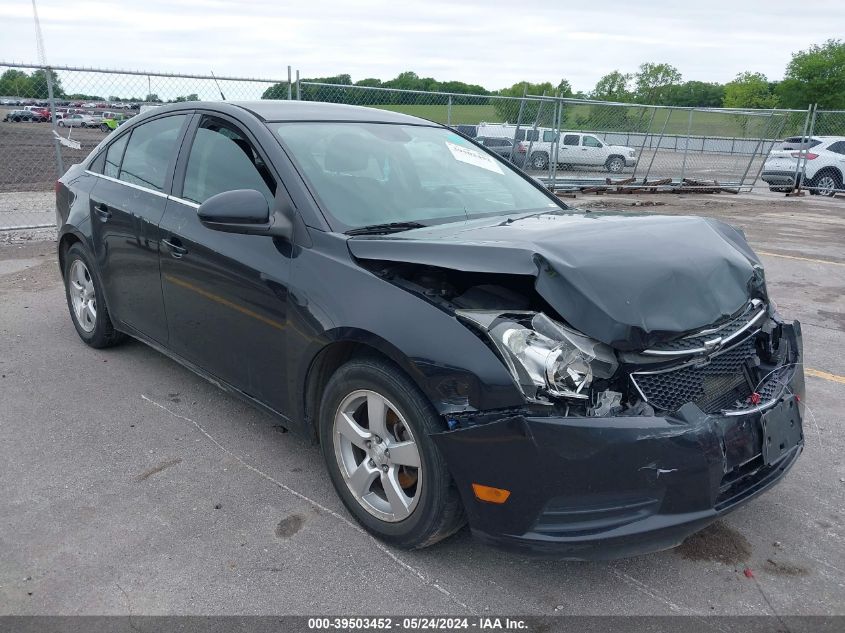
x,y
615,164
61,123
85,301
104,127
374,436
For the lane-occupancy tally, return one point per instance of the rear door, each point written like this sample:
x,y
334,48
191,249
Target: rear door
x,y
569,150
226,293
134,178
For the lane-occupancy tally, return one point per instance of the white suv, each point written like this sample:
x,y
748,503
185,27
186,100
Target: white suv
x,y
823,175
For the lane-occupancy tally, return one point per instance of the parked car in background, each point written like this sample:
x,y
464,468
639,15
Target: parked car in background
x,y
824,170
39,113
79,120
575,148
504,147
111,121
463,345
16,116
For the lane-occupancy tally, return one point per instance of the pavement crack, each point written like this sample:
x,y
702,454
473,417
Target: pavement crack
x,y
413,571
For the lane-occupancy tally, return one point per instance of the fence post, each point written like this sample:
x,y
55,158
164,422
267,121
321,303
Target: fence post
x,y
290,95
810,114
645,137
518,121
686,147
298,87
449,112
556,148
533,134
60,168
754,153
807,149
656,149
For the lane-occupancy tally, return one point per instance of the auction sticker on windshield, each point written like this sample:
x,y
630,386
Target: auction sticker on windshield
x,y
471,157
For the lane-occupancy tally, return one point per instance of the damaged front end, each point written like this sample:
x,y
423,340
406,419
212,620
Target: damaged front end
x,y
616,451
620,453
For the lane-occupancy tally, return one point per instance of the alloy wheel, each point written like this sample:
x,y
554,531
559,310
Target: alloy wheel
x,y
378,456
82,295
616,165
826,185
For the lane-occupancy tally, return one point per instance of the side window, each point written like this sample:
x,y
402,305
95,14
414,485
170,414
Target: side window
x,y
114,154
222,159
97,164
571,139
838,147
549,136
520,135
149,152
532,135
592,141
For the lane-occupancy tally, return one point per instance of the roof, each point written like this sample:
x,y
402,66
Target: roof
x,y
272,110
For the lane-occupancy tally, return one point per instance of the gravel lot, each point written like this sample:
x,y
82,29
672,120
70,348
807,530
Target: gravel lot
x,y
132,486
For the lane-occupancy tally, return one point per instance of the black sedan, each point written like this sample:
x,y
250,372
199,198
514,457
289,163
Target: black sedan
x,y
462,345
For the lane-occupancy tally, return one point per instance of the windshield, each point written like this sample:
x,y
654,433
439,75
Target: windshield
x,y
378,173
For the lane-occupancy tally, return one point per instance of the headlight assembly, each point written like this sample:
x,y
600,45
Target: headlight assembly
x,y
544,356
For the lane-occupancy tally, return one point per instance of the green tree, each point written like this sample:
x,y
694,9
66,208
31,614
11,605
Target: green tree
x,y
509,109
697,94
749,90
152,98
614,86
14,83
653,83
38,84
816,75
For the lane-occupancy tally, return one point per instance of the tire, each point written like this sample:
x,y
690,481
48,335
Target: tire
x,y
16,119
826,183
84,295
430,508
539,160
615,164
104,127
61,123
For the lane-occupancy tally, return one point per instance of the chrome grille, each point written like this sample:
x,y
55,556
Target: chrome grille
x,y
713,386
724,333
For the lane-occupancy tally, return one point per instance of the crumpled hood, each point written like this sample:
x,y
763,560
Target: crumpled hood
x,y
628,281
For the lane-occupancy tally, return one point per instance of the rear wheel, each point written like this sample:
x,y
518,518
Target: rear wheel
x,y
539,160
85,301
374,436
826,182
61,123
615,164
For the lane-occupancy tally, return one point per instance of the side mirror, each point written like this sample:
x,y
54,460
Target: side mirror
x,y
245,211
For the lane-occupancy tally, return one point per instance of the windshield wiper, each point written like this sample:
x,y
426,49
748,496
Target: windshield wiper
x,y
384,229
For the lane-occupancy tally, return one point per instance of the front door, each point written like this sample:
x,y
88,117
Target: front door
x,y
127,203
226,293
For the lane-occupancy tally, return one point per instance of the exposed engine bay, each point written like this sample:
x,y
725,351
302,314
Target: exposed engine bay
x,y
733,367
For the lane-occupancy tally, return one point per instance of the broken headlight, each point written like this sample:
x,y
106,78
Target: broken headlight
x,y
544,356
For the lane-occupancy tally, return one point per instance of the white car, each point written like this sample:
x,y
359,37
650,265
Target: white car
x,y
825,164
576,148
78,120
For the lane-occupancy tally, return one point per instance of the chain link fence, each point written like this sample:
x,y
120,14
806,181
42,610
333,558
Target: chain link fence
x,y
569,144
40,137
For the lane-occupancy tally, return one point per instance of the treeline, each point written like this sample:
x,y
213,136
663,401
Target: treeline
x,y
815,75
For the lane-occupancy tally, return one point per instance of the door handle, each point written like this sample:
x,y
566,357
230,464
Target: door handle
x,y
103,211
175,246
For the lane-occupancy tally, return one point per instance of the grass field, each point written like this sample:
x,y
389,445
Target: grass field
x,y
610,118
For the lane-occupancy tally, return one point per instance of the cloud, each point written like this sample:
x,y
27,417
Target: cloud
x,y
494,43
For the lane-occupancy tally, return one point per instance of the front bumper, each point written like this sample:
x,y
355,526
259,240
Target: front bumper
x,y
630,161
590,488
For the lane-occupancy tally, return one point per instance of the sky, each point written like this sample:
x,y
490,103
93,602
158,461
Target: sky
x,y
489,42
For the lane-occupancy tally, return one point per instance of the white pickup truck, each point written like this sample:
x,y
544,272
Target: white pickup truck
x,y
576,148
